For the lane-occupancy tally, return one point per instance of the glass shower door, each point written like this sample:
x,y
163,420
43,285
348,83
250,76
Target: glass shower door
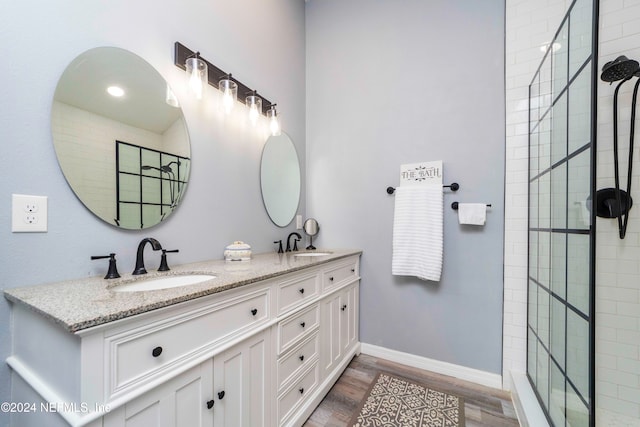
x,y
560,330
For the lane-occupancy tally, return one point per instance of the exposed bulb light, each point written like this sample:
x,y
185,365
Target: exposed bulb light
x,y
171,99
197,74
229,90
115,91
254,102
274,121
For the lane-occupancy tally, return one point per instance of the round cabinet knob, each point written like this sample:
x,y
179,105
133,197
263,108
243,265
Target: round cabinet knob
x,y
210,404
301,290
157,351
301,358
353,270
302,324
220,395
301,390
331,279
254,311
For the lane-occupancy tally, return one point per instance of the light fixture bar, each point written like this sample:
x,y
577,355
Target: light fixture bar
x,y
181,53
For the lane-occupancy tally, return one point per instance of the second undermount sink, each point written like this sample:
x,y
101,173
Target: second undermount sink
x,y
305,254
166,282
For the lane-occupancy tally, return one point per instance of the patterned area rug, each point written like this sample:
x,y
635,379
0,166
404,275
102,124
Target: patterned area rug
x,y
397,402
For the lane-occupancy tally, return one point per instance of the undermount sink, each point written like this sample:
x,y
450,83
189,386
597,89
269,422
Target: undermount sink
x,y
167,282
312,254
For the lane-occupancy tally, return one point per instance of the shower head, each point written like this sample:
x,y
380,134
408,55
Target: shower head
x,y
620,68
167,168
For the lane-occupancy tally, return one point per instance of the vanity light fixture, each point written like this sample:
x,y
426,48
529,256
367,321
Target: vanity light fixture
x,y
225,83
197,74
254,102
274,121
229,90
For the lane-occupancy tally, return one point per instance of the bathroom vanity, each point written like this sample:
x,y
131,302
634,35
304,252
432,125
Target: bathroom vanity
x,y
258,345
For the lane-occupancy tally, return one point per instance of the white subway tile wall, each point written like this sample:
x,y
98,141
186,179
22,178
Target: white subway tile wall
x,y
530,24
618,261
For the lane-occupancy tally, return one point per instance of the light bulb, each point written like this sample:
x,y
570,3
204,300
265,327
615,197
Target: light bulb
x,y
229,90
274,122
253,115
115,91
254,103
227,101
197,75
195,84
274,126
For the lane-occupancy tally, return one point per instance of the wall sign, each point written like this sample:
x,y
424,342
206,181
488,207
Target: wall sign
x,y
421,173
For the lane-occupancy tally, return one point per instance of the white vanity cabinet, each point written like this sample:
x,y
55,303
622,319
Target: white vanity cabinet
x,y
262,354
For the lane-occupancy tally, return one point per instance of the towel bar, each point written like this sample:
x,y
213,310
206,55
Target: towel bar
x,y
454,205
454,186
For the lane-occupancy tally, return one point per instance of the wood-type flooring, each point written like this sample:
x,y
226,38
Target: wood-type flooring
x,y
483,406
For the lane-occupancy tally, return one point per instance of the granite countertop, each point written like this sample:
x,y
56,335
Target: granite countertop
x,y
85,303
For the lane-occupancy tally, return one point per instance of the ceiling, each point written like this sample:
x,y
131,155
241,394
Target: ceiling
x,y
86,79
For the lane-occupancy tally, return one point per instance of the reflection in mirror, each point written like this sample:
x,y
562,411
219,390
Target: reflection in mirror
x,y
280,179
120,140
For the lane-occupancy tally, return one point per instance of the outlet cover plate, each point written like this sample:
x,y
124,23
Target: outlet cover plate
x,y
28,213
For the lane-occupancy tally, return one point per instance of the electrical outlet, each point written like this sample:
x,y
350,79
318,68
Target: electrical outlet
x,y
31,207
29,213
298,222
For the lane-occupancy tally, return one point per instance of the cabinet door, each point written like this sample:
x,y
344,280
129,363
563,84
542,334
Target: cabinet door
x,y
338,327
242,375
348,318
330,325
182,401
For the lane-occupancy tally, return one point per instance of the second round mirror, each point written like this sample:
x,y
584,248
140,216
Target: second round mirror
x,y
280,179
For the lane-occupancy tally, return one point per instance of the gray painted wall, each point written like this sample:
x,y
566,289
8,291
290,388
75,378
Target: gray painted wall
x,y
392,82
261,42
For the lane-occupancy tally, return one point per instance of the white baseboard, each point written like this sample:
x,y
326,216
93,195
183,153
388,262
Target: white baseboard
x,y
461,372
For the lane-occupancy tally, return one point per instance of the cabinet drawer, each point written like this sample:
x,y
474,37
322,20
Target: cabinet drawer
x,y
138,355
295,292
293,398
294,328
340,275
297,359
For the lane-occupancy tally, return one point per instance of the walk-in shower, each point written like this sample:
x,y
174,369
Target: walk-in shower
x,y
560,327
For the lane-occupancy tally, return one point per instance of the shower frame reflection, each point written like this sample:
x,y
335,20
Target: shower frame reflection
x,y
142,183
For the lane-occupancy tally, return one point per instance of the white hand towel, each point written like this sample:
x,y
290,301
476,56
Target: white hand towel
x,y
472,213
417,232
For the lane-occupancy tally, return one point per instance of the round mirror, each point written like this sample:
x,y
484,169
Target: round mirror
x,y
280,179
120,138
